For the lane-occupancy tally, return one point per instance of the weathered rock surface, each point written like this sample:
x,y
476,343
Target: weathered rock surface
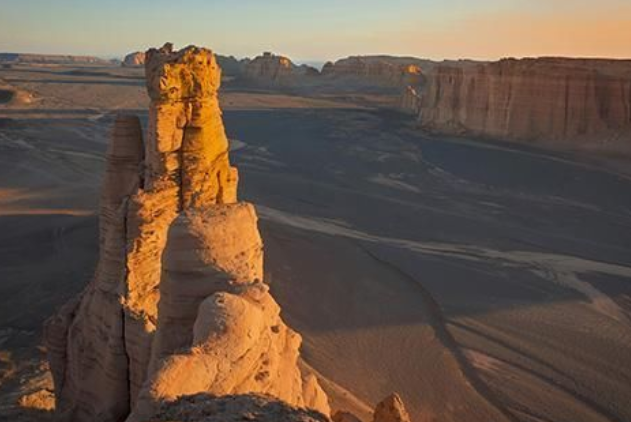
x,y
144,333
391,409
135,59
374,72
270,69
235,408
219,330
548,99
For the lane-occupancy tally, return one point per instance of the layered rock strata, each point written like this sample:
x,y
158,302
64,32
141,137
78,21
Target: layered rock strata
x,y
143,333
374,72
548,99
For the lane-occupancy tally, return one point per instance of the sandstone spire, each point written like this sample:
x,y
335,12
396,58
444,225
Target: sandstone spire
x,y
144,333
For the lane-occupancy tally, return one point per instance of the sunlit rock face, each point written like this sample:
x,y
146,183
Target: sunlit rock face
x,y
135,59
273,70
391,409
549,99
177,304
374,72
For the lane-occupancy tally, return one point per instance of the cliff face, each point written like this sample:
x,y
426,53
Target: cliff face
x,y
270,69
533,99
149,329
375,72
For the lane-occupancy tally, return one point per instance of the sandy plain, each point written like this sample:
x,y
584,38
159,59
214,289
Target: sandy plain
x,y
482,281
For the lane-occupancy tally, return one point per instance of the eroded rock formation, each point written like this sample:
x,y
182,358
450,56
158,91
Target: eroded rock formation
x,y
149,329
270,69
548,99
135,59
391,409
374,72
230,66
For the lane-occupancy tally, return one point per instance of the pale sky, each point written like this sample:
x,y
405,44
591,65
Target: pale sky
x,y
322,29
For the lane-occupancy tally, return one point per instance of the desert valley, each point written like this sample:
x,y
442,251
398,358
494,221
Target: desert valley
x,y
187,236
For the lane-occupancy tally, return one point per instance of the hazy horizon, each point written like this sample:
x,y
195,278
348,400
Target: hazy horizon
x,y
452,29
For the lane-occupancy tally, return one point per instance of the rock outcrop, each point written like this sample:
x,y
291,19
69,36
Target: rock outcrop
x,y
548,100
359,70
177,305
25,58
272,70
178,323
230,66
135,59
391,409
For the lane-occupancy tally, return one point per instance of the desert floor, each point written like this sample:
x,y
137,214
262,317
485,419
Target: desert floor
x,y
482,281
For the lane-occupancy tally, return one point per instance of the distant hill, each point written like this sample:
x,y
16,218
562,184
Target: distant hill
x,y
425,64
50,59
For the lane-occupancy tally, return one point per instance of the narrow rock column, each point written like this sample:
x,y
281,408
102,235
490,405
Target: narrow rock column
x,y
140,336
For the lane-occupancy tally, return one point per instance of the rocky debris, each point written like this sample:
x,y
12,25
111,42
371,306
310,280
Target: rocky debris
x,y
547,99
374,72
410,101
135,59
233,408
270,69
144,333
391,409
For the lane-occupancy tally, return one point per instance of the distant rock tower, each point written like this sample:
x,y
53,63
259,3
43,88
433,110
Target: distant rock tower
x,y
177,305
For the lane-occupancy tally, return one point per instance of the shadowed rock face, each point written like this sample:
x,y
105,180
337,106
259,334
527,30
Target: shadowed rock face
x,y
144,333
534,99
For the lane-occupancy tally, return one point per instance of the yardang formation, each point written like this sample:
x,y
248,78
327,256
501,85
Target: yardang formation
x,y
148,329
